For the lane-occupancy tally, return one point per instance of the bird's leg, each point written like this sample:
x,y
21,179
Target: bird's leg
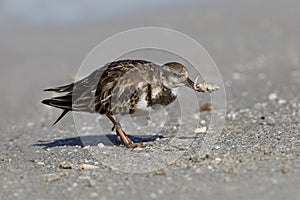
x,y
121,135
118,136
119,139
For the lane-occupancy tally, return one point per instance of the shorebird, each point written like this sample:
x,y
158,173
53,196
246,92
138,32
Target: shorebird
x,y
125,87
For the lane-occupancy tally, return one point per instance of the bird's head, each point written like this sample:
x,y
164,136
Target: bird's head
x,y
176,75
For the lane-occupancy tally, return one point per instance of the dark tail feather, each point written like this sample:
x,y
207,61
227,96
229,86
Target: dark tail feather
x,y
63,102
65,88
61,116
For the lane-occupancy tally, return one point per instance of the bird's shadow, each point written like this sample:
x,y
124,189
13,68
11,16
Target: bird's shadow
x,y
94,140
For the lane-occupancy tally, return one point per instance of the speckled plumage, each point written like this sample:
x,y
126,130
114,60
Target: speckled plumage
x,y
122,87
115,88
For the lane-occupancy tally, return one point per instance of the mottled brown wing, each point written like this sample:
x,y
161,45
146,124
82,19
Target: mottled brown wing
x,y
119,88
94,91
126,95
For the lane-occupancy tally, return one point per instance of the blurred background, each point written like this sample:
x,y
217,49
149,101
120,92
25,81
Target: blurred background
x,y
68,12
44,42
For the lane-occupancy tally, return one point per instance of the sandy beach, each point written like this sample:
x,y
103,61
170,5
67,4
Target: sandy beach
x,y
255,46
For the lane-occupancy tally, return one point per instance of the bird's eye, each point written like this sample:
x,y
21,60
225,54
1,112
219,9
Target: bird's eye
x,y
176,75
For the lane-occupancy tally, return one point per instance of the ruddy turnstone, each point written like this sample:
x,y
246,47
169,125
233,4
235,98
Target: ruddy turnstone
x,y
125,87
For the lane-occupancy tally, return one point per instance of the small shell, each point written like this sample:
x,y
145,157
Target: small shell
x,y
203,87
196,84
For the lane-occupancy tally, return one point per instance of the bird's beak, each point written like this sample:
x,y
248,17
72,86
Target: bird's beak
x,y
200,87
189,83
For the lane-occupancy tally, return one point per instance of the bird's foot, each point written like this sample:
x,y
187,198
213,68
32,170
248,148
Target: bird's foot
x,y
135,145
130,143
122,137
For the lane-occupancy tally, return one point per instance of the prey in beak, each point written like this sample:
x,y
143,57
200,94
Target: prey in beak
x,y
200,87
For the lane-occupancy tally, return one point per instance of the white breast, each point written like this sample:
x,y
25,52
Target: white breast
x,y
155,92
175,91
142,103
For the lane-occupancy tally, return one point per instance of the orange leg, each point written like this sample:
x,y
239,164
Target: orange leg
x,y
128,143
